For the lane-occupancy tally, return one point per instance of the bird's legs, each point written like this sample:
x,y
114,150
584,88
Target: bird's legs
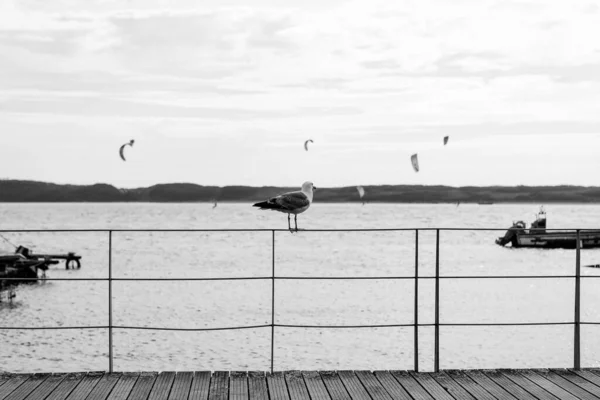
x,y
289,226
296,221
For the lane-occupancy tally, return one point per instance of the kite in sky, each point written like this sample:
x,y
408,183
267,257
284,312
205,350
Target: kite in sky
x,y
306,144
123,148
415,162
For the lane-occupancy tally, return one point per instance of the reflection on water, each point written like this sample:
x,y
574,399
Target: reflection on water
x,y
216,304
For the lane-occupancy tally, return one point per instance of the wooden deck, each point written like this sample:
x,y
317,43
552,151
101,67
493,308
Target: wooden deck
x,y
298,385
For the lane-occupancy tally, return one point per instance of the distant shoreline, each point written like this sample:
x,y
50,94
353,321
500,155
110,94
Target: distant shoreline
x,y
20,191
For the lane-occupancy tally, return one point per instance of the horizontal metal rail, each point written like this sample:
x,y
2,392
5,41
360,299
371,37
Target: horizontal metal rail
x,y
227,328
152,230
274,278
350,278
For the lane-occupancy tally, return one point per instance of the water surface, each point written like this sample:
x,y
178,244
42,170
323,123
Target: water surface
x,y
218,304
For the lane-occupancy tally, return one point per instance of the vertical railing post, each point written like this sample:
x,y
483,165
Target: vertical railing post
x,y
577,331
416,300
110,324
437,302
272,298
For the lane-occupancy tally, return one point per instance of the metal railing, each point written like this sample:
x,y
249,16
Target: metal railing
x,y
273,278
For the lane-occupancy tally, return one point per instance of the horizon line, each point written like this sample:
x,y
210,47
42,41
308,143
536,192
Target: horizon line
x,y
285,186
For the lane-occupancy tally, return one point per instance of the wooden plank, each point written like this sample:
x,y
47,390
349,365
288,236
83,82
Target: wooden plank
x,y
381,385
353,385
27,387
314,384
526,392
277,387
4,377
219,386
200,385
238,386
70,382
12,383
492,387
124,386
143,386
87,384
546,385
595,371
392,386
372,385
571,376
104,387
334,385
539,392
469,385
181,386
589,376
257,386
431,386
411,385
44,390
162,386
568,386
452,387
296,385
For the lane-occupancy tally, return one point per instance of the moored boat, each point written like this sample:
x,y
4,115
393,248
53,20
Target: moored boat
x,y
538,237
18,266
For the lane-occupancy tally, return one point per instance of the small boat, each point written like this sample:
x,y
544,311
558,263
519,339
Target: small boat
x,y
17,269
19,266
537,236
72,261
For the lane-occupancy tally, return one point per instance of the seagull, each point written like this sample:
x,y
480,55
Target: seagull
x,y
291,203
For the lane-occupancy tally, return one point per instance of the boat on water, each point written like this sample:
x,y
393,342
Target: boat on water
x,y
538,237
23,266
19,266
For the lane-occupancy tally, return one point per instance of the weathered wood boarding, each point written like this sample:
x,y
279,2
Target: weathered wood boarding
x,y
311,385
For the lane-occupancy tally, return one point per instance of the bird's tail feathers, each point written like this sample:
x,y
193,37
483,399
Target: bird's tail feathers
x,y
267,205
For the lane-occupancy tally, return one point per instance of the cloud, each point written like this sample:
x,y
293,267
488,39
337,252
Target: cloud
x,y
215,43
98,107
373,72
313,48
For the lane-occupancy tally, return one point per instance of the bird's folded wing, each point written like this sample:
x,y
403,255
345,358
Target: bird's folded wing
x,y
293,200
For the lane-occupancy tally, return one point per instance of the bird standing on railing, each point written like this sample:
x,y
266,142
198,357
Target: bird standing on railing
x,y
290,203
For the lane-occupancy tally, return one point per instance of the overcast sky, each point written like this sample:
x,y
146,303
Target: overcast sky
x,y
228,92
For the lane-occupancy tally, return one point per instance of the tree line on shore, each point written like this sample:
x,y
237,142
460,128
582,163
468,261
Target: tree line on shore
x,y
34,191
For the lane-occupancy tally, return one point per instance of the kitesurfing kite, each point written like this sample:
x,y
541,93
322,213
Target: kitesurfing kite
x,y
123,148
361,192
306,144
446,140
415,162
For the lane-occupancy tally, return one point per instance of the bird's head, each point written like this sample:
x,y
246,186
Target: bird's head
x,y
308,187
